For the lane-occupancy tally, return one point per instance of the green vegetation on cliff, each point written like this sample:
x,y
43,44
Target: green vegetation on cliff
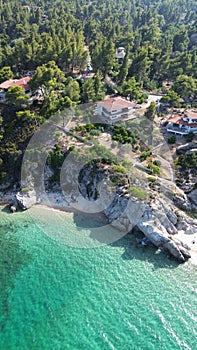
x,y
54,41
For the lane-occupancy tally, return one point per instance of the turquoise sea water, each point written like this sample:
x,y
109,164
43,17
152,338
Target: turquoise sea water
x,y
53,296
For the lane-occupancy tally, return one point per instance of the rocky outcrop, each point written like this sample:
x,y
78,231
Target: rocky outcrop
x,y
23,200
186,179
182,203
159,222
158,233
156,219
193,197
186,224
116,208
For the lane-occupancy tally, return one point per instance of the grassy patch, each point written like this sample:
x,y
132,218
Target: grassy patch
x,y
138,193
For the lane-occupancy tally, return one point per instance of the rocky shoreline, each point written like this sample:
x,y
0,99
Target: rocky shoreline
x,y
159,218
160,222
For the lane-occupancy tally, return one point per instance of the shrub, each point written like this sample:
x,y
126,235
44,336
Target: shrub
x,y
154,169
95,132
137,192
188,161
25,189
3,176
144,155
122,135
151,179
119,169
157,162
171,139
189,137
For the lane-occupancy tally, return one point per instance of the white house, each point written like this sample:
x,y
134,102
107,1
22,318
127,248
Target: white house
x,y
182,124
120,54
114,109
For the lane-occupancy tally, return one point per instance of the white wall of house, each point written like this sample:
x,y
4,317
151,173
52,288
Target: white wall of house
x,y
180,129
115,114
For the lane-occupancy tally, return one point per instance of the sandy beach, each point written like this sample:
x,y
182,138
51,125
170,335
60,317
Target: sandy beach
x,y
71,204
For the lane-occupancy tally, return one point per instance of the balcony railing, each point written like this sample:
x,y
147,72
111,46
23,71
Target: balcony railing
x,y
177,130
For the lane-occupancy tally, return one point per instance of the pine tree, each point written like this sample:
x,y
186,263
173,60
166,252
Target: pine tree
x,y
124,68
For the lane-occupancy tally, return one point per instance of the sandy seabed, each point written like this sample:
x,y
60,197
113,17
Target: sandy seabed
x,y
70,205
80,205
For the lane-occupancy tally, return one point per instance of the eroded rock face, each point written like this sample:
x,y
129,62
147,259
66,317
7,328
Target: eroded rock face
x,y
177,250
193,197
186,224
158,233
116,208
158,220
182,203
23,201
159,223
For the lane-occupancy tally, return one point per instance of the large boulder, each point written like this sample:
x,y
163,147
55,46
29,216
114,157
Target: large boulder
x,y
24,200
158,221
154,230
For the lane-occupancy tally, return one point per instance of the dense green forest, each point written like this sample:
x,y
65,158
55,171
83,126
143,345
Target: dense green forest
x,y
50,39
161,36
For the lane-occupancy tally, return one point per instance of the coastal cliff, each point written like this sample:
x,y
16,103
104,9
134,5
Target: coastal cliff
x,y
129,204
157,217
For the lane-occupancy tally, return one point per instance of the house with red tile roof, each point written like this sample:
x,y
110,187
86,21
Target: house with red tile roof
x,y
116,108
23,82
182,124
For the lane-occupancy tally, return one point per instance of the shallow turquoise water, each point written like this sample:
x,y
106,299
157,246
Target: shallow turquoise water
x,y
54,296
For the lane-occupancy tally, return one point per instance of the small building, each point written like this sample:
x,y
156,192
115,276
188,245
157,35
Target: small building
x,y
115,109
31,8
120,54
167,84
23,82
182,124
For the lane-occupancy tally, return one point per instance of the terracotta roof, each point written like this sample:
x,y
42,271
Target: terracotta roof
x,y
191,114
23,82
113,104
177,119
